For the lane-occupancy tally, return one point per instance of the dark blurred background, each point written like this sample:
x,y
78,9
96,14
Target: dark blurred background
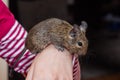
x,y
103,33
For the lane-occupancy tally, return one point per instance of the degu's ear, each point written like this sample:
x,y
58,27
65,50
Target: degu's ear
x,y
83,26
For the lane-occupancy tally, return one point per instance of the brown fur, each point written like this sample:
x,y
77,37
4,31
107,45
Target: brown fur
x,y
57,32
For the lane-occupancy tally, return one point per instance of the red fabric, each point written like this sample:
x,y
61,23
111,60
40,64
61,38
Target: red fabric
x,y
6,19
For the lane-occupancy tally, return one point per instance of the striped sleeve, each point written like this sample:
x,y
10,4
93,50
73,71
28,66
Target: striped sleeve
x,y
11,46
12,41
76,69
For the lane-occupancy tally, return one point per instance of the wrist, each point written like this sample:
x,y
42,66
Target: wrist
x,y
51,54
51,62
53,51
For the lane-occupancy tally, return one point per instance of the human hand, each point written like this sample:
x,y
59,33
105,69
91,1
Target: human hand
x,y
51,64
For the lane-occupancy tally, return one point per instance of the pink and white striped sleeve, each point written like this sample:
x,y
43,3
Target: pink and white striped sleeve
x,y
12,41
12,45
76,69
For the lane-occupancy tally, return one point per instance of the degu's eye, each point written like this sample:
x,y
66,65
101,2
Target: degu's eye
x,y
79,43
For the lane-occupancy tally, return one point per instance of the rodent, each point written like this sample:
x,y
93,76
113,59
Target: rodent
x,y
60,33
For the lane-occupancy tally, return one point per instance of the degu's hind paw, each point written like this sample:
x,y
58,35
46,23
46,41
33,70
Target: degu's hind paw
x,y
35,51
59,48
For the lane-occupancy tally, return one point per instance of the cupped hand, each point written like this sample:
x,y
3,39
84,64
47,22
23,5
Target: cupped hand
x,y
51,64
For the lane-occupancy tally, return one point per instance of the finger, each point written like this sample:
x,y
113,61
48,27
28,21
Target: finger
x,y
30,73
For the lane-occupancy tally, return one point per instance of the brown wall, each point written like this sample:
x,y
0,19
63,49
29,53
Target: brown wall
x,y
31,12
